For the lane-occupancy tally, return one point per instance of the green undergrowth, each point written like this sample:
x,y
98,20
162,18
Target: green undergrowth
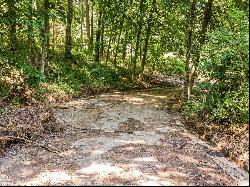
x,y
21,81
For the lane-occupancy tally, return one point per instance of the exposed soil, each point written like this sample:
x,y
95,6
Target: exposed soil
x,y
120,139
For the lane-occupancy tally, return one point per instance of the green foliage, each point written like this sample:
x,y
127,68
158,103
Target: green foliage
x,y
103,75
213,106
70,77
33,77
172,66
223,96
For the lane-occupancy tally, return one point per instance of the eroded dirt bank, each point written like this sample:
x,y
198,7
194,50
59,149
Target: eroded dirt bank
x,y
120,139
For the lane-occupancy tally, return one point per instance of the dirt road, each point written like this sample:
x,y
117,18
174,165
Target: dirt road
x,y
120,139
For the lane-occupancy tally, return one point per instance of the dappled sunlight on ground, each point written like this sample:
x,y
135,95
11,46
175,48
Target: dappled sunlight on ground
x,y
49,177
118,139
152,97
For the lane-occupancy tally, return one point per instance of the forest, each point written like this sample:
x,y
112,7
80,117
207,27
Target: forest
x,y
55,51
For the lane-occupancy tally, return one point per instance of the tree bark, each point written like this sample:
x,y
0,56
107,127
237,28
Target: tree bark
x,y
117,47
53,38
92,26
45,35
82,20
102,42
31,40
137,40
88,23
118,41
206,18
98,34
107,53
12,27
124,48
131,54
188,52
30,27
68,43
148,30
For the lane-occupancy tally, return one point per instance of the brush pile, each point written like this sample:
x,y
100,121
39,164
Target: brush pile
x,y
26,124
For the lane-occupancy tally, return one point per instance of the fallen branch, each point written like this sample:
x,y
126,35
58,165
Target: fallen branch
x,y
54,150
33,143
15,137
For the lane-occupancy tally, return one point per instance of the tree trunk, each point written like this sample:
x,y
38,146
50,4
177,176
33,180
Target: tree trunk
x,y
140,54
98,34
188,52
30,27
92,26
68,43
124,48
206,18
82,20
108,49
117,47
12,27
131,53
118,41
53,38
88,23
30,34
137,40
102,42
45,34
148,30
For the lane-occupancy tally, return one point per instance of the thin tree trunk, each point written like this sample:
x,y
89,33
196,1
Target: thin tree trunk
x,y
30,27
188,52
111,35
117,47
124,48
82,20
12,27
68,43
92,25
131,52
148,30
88,23
102,44
137,40
53,38
98,34
45,46
140,55
118,41
108,49
1,38
31,39
206,18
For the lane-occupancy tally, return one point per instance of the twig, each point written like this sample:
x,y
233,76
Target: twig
x,y
54,150
33,143
15,137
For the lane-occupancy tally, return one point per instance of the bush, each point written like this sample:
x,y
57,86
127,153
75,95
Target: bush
x,y
223,96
